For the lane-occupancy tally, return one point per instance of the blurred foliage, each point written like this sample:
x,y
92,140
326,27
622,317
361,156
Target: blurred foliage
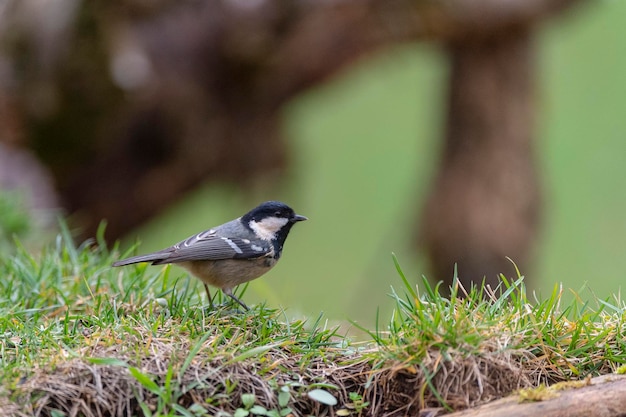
x,y
15,220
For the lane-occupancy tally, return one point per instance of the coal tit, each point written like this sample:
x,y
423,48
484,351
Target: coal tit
x,y
233,253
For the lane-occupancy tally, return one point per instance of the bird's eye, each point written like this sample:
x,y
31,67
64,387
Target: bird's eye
x,y
277,213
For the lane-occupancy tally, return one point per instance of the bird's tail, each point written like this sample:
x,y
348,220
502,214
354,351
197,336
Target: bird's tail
x,y
151,257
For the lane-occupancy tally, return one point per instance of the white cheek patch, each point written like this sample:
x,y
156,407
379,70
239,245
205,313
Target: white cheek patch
x,y
266,229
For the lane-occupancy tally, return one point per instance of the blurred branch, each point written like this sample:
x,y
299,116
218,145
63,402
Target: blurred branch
x,y
292,45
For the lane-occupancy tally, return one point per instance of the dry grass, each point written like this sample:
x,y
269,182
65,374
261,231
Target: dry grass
x,y
213,383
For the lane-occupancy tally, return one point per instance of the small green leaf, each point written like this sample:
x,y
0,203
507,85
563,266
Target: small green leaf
x,y
283,398
258,410
248,400
197,409
322,396
355,396
343,412
240,412
57,413
285,411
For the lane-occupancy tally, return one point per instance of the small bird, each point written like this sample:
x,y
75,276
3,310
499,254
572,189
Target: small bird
x,y
232,253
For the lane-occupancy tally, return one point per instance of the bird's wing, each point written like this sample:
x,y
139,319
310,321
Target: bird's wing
x,y
209,245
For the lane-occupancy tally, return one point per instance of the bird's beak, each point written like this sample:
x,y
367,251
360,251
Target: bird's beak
x,y
298,218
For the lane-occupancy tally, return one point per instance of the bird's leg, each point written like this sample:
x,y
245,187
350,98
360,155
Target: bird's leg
x,y
208,294
229,292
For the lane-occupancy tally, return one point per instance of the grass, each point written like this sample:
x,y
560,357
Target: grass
x,y
80,337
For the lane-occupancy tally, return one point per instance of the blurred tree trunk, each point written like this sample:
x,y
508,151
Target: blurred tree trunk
x,y
485,201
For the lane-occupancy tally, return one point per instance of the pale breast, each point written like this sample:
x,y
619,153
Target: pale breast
x,y
229,273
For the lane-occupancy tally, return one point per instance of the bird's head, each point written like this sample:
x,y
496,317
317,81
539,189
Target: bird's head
x,y
271,220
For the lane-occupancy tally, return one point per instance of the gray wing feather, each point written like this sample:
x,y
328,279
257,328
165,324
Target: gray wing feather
x,y
151,257
207,245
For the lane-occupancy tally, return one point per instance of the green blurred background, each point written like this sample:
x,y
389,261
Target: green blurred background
x,y
364,147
